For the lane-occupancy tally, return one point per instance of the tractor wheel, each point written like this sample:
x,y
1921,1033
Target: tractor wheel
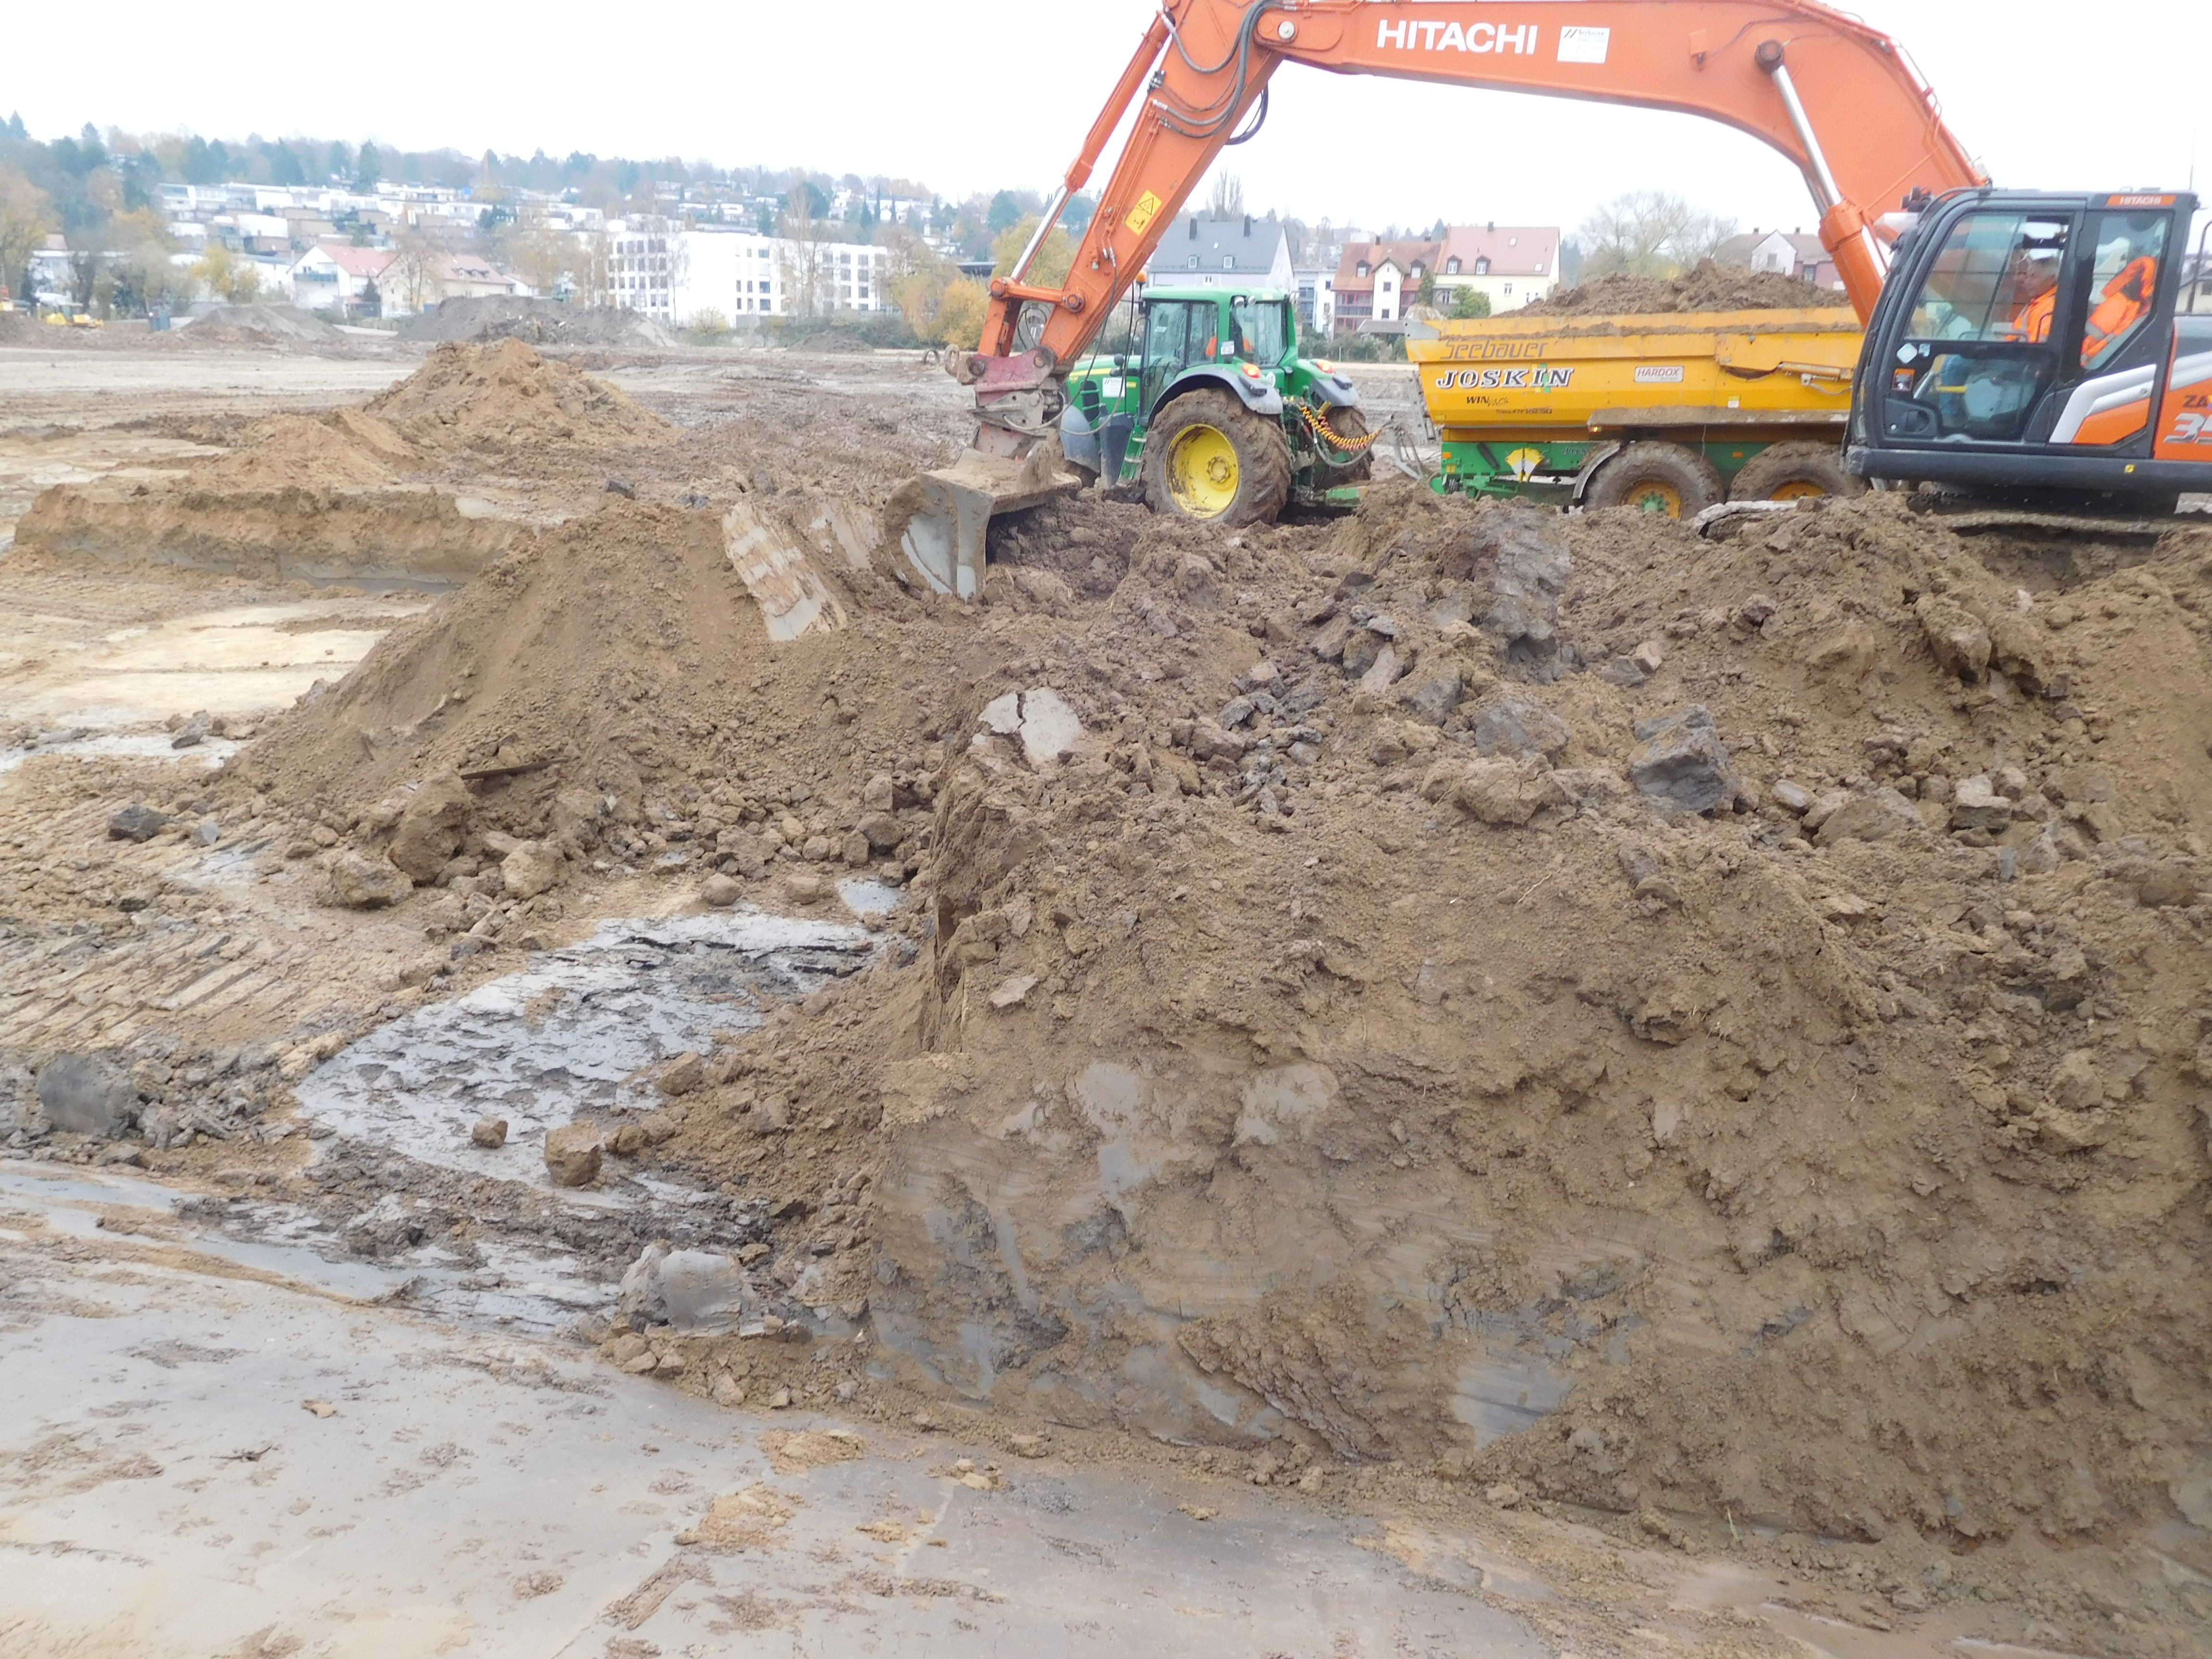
x,y
1657,477
1789,473
1349,422
1210,459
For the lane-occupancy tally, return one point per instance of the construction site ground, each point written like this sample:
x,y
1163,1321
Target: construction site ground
x,y
1441,1079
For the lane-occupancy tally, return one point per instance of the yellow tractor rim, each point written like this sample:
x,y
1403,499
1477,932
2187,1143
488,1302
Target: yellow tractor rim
x,y
1656,497
1203,472
1795,490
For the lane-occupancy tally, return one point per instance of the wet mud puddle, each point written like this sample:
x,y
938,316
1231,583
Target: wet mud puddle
x,y
406,1208
570,1035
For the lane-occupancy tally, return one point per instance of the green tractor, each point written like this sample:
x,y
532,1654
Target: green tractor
x,y
1211,410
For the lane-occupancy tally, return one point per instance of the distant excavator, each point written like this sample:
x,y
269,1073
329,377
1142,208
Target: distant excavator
x,y
2024,345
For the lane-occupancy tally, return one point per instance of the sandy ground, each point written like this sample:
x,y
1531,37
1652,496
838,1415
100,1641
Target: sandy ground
x,y
484,1482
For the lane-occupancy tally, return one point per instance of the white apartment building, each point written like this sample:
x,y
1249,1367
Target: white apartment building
x,y
672,276
735,272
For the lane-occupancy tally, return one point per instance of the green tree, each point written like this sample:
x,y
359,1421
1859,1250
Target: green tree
x,y
1470,303
26,219
228,278
1005,209
959,320
285,167
1050,267
367,168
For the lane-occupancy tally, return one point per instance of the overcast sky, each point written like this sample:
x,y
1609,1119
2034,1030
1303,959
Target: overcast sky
x,y
967,96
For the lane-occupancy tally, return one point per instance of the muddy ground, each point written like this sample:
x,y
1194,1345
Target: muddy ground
x,y
1650,1084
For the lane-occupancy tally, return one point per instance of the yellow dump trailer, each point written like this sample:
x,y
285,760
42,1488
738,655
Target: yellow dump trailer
x,y
1668,410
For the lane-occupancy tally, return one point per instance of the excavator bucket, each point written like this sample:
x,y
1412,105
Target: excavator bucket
x,y
939,519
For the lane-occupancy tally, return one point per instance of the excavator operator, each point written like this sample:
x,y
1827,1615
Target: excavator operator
x,y
2123,301
2130,250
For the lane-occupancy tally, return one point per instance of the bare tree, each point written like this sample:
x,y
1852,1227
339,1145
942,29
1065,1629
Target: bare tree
x,y
412,276
26,216
590,257
1649,234
806,292
536,250
1227,201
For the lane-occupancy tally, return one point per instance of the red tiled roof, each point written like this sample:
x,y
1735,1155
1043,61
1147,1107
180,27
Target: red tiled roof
x,y
363,262
1405,255
1512,250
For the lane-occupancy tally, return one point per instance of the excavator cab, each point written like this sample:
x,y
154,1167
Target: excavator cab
x,y
2027,344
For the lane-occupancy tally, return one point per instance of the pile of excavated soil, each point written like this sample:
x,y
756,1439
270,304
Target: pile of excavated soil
x,y
356,495
343,449
506,397
1706,286
269,322
1707,1027
538,322
617,649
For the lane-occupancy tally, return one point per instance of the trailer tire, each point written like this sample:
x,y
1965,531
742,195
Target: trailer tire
x,y
1210,460
1658,477
1784,472
1349,422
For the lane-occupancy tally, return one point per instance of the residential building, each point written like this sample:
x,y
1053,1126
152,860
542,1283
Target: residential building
x,y
467,276
1512,265
1243,252
1379,282
1790,253
1316,291
734,273
335,275
641,273
53,280
1376,281
674,275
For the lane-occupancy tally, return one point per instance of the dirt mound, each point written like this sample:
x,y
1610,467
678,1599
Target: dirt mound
x,y
266,321
346,449
833,340
538,322
602,655
1706,286
506,397
1680,1025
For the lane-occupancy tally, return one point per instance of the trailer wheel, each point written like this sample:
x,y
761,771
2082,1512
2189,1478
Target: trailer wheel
x,y
1657,477
1789,473
1210,459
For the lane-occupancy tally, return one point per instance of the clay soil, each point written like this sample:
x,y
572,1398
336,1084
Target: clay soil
x,y
1324,1040
1704,287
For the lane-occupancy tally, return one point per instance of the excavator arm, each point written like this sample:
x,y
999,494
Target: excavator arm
x,y
1840,100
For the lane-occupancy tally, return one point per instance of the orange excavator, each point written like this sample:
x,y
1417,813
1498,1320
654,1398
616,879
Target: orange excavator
x,y
2102,393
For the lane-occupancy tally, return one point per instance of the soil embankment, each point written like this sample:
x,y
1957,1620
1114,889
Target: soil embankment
x,y
388,494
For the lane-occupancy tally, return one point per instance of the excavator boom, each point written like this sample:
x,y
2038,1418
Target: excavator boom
x,y
1840,100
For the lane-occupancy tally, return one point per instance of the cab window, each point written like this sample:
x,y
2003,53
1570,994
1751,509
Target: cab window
x,y
1978,354
1164,325
1996,278
2123,281
1262,332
